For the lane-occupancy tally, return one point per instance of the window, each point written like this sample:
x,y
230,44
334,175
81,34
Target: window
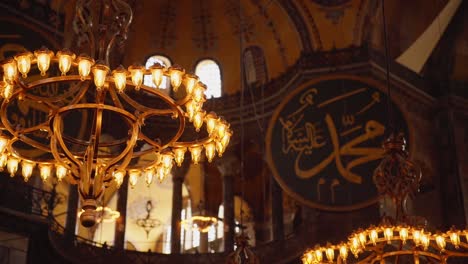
x,y
148,81
255,66
210,74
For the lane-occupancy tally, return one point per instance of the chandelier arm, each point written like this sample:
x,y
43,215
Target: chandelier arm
x,y
143,108
411,252
128,148
123,30
199,142
57,138
115,98
85,142
28,141
69,93
88,26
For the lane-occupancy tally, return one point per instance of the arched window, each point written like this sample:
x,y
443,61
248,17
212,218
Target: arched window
x,y
210,74
148,81
255,66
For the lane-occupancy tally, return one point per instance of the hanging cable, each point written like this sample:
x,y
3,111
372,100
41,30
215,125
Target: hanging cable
x,y
390,121
241,119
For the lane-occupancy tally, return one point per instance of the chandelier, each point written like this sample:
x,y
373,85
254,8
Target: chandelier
x,y
102,124
104,214
148,223
401,238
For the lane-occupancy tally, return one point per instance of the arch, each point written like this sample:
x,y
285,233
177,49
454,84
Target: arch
x,y
210,74
163,60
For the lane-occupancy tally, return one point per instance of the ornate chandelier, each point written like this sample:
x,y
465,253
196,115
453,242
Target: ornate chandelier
x,y
398,239
102,124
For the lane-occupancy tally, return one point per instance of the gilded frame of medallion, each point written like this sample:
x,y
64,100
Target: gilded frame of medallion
x,y
274,118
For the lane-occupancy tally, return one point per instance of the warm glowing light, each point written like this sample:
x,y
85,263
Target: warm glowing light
x,y
425,241
210,149
118,177
136,73
373,235
157,74
318,255
211,120
198,94
3,160
3,143
166,160
179,154
100,72
190,83
220,148
84,66
12,165
7,90
195,151
133,176
227,137
404,234
343,252
27,169
198,120
45,170
454,238
176,74
65,58
60,172
388,234
161,173
10,71
362,239
330,253
120,78
440,240
149,176
220,128
417,237
190,106
23,61
43,57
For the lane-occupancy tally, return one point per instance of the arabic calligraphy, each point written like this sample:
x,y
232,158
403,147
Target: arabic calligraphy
x,y
327,138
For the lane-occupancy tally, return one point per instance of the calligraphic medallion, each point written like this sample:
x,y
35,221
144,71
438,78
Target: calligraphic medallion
x,y
325,140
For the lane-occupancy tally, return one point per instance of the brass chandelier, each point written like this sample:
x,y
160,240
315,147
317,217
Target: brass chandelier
x,y
102,124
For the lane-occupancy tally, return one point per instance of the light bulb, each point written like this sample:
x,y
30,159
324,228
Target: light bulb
x,y
157,74
417,237
330,253
27,169
211,120
221,128
166,160
210,150
220,148
65,58
136,73
60,172
373,236
120,78
388,234
198,120
355,243
23,62
3,160
10,71
12,165
3,143
227,137
118,177
308,258
179,154
454,238
7,90
149,176
440,240
43,57
343,252
362,239
190,107
195,151
425,241
404,234
133,176
84,66
190,83
161,173
198,94
45,170
318,255
176,73
100,72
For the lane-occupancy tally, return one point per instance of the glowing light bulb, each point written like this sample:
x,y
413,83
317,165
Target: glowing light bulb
x,y
198,94
404,234
179,154
417,237
7,90
161,173
12,165
136,73
343,252
60,172
176,73
210,150
454,238
118,177
318,255
190,83
190,107
309,258
425,241
211,120
23,62
27,169
84,66
3,143
45,170
227,137
221,129
198,120
43,57
157,74
373,236
10,71
100,72
133,176
330,253
440,240
362,239
3,160
388,234
220,148
149,176
120,78
65,58
195,151
166,160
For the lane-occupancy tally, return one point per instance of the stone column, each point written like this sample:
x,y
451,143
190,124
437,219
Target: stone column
x,y
177,180
72,213
122,221
204,242
229,167
277,210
